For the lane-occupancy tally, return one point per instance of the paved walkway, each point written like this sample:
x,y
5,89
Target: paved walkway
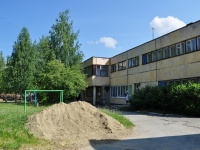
x,y
157,132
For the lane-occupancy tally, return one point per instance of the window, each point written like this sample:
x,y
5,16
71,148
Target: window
x,y
172,50
89,92
114,91
113,68
198,43
133,62
136,86
88,71
102,70
190,45
159,54
137,61
119,91
162,83
166,52
144,59
180,48
149,57
122,65
154,56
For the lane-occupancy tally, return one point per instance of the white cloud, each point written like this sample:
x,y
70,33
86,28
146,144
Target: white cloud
x,y
165,25
107,41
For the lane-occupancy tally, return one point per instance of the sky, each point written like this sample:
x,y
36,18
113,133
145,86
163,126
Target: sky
x,y
107,27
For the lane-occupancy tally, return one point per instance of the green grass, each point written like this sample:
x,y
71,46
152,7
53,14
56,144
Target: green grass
x,y
119,117
12,125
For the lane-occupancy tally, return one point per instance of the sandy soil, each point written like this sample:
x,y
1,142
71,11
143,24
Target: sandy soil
x,y
75,125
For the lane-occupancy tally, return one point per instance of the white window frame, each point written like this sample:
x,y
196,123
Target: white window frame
x,y
180,48
192,47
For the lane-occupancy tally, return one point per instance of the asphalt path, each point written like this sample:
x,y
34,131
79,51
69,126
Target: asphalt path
x,y
156,132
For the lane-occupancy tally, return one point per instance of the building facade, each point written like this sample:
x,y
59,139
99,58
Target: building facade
x,y
171,58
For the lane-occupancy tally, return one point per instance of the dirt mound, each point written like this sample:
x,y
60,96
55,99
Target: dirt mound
x,y
74,124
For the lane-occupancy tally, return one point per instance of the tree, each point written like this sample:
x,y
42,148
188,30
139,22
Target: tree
x,y
57,76
21,64
2,67
64,41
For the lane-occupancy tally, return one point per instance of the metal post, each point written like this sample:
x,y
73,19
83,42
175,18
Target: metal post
x,y
62,96
25,101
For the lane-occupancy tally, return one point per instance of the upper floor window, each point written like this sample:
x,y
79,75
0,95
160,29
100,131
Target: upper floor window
x,y
159,54
149,57
190,45
113,68
172,50
154,56
180,48
122,65
165,52
198,43
144,59
89,71
102,70
133,62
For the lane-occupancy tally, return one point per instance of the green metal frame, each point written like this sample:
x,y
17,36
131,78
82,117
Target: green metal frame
x,y
61,95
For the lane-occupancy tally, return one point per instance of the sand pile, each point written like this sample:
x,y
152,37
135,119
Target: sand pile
x,y
74,124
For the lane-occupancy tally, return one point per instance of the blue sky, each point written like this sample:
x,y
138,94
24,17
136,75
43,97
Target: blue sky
x,y
107,27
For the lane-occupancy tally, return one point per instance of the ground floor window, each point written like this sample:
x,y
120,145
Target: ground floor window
x,y
120,90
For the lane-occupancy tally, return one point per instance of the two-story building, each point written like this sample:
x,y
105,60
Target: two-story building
x,y
171,58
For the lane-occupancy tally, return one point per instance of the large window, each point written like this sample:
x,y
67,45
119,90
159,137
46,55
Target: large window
x,y
190,45
98,70
102,70
133,62
122,65
113,68
180,48
119,91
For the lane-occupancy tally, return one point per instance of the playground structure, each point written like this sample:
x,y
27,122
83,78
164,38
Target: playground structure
x,y
35,95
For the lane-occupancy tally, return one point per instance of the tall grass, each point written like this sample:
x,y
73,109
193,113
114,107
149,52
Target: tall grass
x,y
119,117
12,125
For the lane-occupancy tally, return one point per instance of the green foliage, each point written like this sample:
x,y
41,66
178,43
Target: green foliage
x,y
2,67
64,41
119,117
12,127
183,98
57,76
20,69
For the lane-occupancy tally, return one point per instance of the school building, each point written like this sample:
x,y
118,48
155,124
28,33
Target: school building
x,y
171,58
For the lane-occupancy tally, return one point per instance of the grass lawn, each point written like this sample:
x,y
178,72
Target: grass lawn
x,y
12,122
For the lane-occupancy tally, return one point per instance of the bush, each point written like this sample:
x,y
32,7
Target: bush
x,y
182,99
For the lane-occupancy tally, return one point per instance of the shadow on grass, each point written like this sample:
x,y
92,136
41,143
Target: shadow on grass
x,y
182,142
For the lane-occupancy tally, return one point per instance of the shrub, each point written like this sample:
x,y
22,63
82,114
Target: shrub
x,y
183,98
